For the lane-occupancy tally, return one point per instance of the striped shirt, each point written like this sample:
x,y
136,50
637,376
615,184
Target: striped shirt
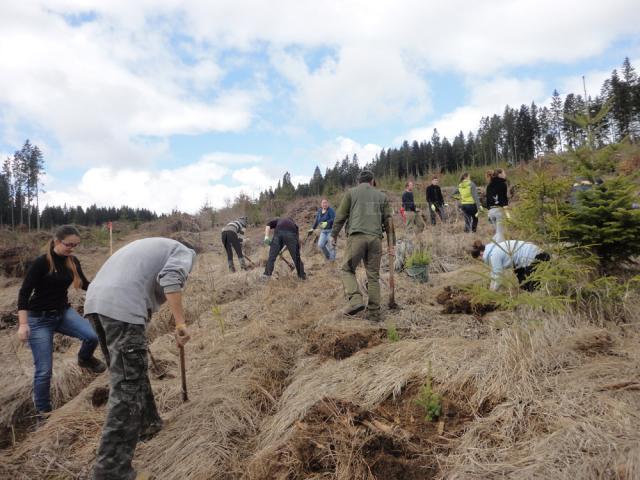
x,y
236,226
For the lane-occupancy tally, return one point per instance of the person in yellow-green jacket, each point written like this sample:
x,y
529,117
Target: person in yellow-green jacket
x,y
366,211
467,193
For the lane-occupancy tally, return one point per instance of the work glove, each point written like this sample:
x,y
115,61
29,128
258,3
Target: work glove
x,y
507,214
310,231
323,225
182,335
334,241
267,241
446,204
476,215
481,209
433,207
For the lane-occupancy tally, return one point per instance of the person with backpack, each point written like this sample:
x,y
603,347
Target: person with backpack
x,y
497,201
435,200
467,193
324,219
523,257
43,309
232,238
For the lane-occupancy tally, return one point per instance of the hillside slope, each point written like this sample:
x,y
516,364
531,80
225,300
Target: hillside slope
x,y
282,385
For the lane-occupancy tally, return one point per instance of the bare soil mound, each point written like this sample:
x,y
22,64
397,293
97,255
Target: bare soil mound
x,y
455,300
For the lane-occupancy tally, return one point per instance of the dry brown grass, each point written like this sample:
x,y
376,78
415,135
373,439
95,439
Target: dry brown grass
x,y
538,396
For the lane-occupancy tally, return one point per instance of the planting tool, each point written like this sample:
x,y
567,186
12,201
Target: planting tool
x,y
392,283
156,367
289,264
183,375
249,260
304,242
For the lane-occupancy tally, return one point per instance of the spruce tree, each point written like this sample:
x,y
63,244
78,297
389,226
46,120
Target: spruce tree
x,y
604,221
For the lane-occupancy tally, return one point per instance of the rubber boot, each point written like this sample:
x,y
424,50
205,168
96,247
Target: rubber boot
x,y
232,268
243,264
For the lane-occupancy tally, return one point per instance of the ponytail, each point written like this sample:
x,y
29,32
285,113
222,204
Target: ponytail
x,y
60,234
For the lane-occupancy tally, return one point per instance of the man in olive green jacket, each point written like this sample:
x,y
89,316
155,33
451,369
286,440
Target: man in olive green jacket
x,y
365,210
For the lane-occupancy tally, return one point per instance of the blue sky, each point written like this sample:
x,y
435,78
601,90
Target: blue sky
x,y
170,104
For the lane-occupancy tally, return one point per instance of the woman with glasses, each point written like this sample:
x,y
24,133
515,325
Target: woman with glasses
x,y
43,309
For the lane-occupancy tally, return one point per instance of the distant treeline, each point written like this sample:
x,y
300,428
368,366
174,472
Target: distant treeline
x,y
518,135
93,215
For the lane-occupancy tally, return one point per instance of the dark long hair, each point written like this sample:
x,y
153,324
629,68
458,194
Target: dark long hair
x,y
476,249
60,234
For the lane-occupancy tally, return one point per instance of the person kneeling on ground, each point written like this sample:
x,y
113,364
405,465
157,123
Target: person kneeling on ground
x,y
285,235
522,256
367,211
130,286
324,219
48,311
233,237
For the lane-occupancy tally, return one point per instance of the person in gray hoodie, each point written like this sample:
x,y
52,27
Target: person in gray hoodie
x,y
130,286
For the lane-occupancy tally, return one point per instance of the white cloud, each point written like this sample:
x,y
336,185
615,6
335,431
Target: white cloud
x,y
334,151
186,188
353,90
486,98
107,94
593,81
110,89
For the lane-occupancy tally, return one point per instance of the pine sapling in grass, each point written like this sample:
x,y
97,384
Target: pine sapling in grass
x,y
419,257
429,400
392,332
217,315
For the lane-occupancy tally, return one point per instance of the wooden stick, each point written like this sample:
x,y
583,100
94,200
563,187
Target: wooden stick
x,y
392,283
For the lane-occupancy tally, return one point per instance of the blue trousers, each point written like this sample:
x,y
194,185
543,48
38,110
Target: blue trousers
x,y
325,245
43,326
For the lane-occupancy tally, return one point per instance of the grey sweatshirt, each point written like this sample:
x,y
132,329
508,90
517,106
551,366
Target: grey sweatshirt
x,y
135,279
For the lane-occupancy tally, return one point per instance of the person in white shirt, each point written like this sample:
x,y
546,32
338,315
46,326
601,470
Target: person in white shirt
x,y
523,257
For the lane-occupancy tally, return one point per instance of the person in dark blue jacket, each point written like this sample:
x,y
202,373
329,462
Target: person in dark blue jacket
x,y
324,219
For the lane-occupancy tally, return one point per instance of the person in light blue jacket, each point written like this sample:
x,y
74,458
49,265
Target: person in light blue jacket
x,y
324,219
523,257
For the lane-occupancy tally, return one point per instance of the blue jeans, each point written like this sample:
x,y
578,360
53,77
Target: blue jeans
x,y
325,245
67,322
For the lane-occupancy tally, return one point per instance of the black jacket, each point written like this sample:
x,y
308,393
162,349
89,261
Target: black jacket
x,y
407,202
497,193
49,289
434,195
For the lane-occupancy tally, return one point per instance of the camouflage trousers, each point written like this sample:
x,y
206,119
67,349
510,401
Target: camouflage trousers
x,y
367,249
131,411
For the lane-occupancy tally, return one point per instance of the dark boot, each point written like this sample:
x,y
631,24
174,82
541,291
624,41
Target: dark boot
x,y
232,267
243,264
93,364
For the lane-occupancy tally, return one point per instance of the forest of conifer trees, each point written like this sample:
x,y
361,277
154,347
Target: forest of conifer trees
x,y
518,135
